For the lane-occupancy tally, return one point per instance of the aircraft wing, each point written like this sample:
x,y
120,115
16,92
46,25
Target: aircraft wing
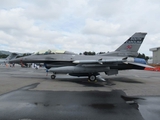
x,y
100,61
108,62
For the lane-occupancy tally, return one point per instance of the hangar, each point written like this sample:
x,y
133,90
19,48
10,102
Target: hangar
x,y
156,55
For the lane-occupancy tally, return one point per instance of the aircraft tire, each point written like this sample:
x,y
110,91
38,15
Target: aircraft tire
x,y
53,76
92,77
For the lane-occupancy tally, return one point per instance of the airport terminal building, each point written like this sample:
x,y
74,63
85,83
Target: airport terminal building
x,y
156,55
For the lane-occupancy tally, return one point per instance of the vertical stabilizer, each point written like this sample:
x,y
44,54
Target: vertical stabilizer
x,y
11,56
130,47
133,43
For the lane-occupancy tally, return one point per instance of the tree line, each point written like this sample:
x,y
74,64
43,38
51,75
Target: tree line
x,y
143,56
3,56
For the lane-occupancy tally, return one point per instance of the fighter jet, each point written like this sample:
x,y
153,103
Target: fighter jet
x,y
6,60
86,65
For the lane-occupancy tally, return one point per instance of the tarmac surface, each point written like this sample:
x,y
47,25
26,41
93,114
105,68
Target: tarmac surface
x,y
28,94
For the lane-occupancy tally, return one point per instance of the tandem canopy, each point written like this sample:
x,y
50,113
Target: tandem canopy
x,y
46,52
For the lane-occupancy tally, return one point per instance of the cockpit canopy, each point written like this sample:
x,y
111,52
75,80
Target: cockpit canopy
x,y
46,52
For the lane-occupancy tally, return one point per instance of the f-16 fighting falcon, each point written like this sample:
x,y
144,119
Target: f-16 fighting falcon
x,y
6,60
86,65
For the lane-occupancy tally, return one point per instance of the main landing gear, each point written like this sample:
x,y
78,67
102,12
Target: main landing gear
x,y
92,78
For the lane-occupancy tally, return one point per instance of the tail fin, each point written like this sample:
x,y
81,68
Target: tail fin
x,y
133,43
130,47
6,60
11,56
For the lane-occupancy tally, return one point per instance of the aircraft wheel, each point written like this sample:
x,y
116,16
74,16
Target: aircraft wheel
x,y
53,76
92,77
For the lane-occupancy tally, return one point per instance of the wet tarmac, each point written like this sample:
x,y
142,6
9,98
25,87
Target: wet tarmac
x,y
61,105
150,107
44,99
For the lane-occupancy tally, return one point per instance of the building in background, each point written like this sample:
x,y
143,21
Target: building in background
x,y
156,55
150,60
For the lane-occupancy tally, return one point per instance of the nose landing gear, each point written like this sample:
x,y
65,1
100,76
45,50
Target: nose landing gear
x,y
53,76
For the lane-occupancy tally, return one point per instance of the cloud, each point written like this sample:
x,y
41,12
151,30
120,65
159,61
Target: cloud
x,y
100,27
8,4
47,10
78,25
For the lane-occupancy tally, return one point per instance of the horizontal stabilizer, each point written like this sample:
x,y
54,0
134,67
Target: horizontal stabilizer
x,y
139,64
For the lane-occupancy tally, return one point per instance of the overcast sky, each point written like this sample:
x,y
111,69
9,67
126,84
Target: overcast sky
x,y
77,25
